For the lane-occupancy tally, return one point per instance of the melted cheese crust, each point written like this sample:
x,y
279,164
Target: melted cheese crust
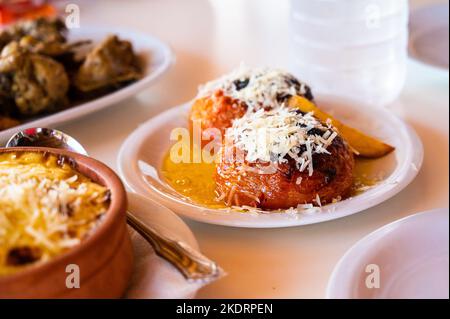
x,y
46,207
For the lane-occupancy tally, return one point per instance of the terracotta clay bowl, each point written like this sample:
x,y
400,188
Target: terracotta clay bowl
x,y
104,259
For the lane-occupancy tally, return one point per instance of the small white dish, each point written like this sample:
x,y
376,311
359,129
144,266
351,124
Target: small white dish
x,y
429,35
142,153
411,256
156,55
153,277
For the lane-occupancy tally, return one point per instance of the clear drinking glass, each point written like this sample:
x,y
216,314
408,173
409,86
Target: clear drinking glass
x,y
352,48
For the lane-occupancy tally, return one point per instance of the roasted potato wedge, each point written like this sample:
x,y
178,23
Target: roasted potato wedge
x,y
362,144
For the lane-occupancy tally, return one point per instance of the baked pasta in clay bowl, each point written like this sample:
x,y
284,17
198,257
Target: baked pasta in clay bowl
x,y
63,231
258,148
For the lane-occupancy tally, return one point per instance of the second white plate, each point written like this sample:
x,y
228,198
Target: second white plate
x,y
156,55
406,259
140,160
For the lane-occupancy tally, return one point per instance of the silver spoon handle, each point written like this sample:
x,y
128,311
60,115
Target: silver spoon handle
x,y
191,263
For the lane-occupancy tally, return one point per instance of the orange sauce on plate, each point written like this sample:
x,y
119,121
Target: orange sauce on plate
x,y
195,181
192,180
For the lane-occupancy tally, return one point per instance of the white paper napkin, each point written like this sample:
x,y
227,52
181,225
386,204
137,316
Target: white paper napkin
x,y
154,277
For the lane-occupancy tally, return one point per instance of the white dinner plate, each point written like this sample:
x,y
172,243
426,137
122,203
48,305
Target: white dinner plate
x,y
409,257
153,277
141,155
428,35
156,55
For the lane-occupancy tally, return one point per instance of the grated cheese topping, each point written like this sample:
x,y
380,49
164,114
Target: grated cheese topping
x,y
277,135
46,207
257,88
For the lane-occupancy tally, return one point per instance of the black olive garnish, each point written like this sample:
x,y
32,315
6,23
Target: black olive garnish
x,y
315,131
298,112
302,149
292,81
283,97
241,84
308,94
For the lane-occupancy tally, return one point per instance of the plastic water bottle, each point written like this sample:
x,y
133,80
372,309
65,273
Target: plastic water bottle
x,y
351,48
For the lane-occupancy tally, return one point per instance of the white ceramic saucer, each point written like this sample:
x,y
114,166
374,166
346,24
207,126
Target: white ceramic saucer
x,y
141,155
410,257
